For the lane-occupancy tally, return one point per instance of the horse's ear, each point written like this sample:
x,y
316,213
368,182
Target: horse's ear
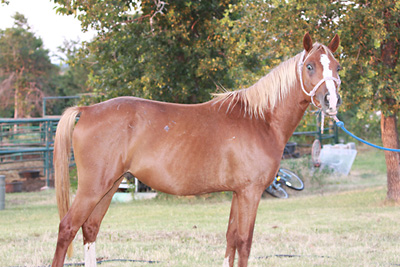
x,y
307,42
334,44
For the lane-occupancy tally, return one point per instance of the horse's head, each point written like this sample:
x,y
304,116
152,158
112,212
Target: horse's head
x,y
318,71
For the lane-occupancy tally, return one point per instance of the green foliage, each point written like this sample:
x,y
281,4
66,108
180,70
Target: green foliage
x,y
73,174
169,52
25,69
368,53
363,123
370,32
72,79
265,33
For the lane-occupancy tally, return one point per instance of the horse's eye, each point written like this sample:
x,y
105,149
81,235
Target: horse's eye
x,y
309,67
339,68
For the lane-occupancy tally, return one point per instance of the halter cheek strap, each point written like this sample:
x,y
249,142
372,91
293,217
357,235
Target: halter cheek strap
x,y
314,90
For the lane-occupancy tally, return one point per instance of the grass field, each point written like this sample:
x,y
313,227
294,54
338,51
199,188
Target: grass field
x,y
335,221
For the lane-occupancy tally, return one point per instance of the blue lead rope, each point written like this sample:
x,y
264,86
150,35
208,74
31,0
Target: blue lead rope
x,y
341,125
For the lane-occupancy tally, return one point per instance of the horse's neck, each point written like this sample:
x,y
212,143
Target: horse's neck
x,y
287,115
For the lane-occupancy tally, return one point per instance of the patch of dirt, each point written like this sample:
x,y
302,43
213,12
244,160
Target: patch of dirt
x,y
11,172
27,185
31,185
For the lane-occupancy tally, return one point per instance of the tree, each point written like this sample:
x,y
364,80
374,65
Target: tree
x,y
172,51
24,68
74,71
264,33
165,51
370,38
369,55
72,79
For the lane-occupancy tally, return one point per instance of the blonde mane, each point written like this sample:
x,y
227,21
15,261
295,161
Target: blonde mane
x,y
267,92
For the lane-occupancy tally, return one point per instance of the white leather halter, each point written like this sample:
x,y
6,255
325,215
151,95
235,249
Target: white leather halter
x,y
300,65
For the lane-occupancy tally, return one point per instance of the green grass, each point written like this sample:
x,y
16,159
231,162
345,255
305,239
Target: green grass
x,y
370,160
326,225
28,226
368,170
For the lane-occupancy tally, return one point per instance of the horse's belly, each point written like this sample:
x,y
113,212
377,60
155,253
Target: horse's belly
x,y
183,176
178,183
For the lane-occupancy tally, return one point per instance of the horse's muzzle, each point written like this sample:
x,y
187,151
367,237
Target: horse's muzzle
x,y
329,105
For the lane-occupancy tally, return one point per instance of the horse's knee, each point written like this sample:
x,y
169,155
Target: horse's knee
x,y
66,233
231,234
243,244
90,231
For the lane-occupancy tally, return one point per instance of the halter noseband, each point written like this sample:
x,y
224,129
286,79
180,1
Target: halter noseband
x,y
314,90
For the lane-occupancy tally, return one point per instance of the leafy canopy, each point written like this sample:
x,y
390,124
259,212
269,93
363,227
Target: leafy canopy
x,y
166,51
179,50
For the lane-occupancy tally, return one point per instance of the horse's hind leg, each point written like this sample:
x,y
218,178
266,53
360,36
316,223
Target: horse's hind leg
x,y
91,227
92,187
80,210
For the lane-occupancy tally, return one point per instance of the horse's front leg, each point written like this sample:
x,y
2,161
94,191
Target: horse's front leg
x,y
248,200
231,234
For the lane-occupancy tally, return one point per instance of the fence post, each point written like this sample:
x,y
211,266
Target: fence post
x,y
47,158
2,192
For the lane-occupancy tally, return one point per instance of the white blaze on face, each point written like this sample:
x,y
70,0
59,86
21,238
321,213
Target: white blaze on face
x,y
330,85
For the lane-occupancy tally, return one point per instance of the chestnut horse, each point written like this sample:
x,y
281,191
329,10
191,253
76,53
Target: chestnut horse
x,y
232,143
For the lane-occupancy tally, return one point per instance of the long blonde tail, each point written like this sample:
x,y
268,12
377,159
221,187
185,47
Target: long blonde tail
x,y
62,155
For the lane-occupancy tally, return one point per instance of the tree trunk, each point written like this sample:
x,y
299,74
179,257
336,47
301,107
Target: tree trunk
x,y
390,136
16,103
390,139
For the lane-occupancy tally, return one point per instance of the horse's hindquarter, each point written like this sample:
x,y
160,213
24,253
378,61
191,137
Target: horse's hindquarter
x,y
182,149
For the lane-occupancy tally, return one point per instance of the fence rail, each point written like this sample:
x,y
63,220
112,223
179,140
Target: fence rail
x,y
27,140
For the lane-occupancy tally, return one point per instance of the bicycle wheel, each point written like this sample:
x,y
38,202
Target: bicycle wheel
x,y
276,190
291,179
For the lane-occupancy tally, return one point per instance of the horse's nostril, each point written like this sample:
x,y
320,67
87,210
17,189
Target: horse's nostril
x,y
326,100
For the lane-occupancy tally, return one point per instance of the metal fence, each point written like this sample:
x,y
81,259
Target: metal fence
x,y
330,130
23,140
